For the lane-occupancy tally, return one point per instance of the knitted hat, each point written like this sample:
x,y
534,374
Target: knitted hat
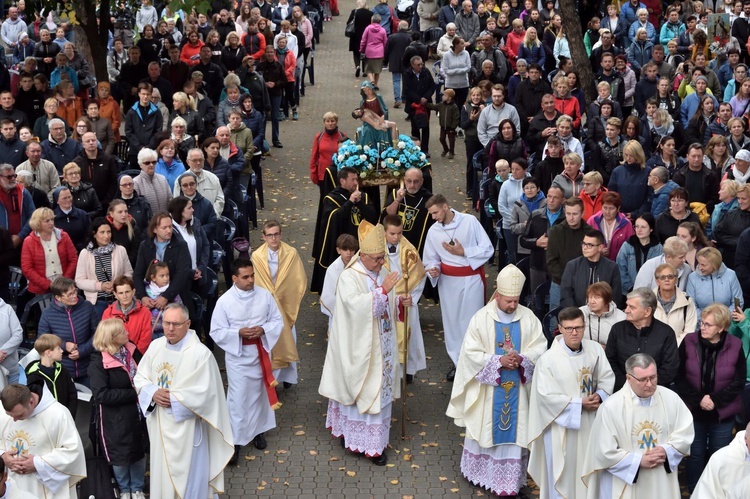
x,y
702,78
743,155
371,238
510,281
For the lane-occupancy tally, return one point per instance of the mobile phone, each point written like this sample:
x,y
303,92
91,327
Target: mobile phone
x,y
737,304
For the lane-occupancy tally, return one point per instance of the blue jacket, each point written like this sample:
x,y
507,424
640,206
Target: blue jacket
x,y
27,208
139,130
651,34
630,182
626,262
720,287
639,54
660,201
55,77
720,210
61,154
690,105
725,73
12,151
171,172
76,224
256,123
627,17
75,324
670,31
535,54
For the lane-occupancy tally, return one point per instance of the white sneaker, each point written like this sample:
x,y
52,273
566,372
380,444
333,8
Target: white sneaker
x,y
125,495
139,495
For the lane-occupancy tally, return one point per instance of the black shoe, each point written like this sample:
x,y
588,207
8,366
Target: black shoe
x,y
287,385
381,460
278,145
409,379
451,375
235,456
260,442
356,73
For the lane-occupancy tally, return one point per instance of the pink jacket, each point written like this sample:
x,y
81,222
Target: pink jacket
x,y
373,42
86,271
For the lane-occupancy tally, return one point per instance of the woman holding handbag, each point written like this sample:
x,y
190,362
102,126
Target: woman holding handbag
x,y
358,21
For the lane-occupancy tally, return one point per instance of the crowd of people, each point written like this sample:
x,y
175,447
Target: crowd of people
x,y
622,222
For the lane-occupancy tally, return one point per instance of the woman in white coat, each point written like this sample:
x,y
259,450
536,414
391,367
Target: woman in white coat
x,y
673,306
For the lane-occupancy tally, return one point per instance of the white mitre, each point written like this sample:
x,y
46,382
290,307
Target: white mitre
x,y
510,281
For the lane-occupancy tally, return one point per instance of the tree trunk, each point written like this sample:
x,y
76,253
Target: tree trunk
x,y
92,37
572,25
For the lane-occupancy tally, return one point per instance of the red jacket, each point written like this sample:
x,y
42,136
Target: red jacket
x,y
512,44
137,323
34,264
190,53
569,105
592,206
323,148
290,64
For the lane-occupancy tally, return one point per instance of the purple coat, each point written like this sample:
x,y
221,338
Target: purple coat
x,y
373,42
724,371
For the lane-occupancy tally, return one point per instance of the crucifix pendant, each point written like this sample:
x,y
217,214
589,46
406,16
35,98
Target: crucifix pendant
x,y
451,243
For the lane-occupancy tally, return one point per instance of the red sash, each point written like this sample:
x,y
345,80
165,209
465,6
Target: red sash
x,y
467,271
265,364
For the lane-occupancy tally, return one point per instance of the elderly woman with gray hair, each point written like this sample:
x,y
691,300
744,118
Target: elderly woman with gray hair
x,y
445,44
151,185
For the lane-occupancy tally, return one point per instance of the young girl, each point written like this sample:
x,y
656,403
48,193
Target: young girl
x,y
158,282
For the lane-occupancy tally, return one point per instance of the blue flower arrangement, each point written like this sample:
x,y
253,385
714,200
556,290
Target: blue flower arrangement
x,y
384,167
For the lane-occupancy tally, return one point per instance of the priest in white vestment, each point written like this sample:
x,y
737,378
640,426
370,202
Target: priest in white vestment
x,y
726,468
571,380
9,489
246,324
346,246
740,490
456,249
361,373
491,392
41,446
182,396
401,252
642,433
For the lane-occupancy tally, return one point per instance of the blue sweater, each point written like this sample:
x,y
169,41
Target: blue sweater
x,y
660,201
630,182
75,324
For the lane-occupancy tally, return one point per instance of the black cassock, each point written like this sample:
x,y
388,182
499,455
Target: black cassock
x,y
338,216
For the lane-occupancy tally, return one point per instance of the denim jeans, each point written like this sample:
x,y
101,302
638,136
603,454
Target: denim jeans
x,y
512,242
275,108
709,437
554,296
396,76
131,478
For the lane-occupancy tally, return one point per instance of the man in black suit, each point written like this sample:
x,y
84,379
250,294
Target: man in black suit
x,y
394,53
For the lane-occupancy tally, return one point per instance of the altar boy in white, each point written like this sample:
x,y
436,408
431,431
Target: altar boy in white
x,y
491,393
726,469
642,432
361,372
456,249
181,393
570,380
246,324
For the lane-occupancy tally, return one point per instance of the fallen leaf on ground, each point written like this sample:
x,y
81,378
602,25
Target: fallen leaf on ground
x,y
394,482
442,478
313,453
250,458
351,473
299,433
407,457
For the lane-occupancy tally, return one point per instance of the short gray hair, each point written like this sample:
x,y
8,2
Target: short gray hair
x,y
179,120
146,154
376,18
645,296
5,167
55,121
639,360
178,306
674,246
194,151
449,26
661,173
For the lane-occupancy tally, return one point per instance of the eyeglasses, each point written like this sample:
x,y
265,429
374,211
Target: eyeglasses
x,y
149,163
666,277
10,177
169,324
70,294
379,259
648,379
274,235
590,245
189,184
74,174
571,329
707,324
127,184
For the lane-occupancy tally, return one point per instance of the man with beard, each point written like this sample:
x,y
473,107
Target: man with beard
x,y
344,208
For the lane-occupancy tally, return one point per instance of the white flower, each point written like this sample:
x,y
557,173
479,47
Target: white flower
x,y
363,157
390,161
401,144
363,175
366,148
397,163
422,156
369,167
341,157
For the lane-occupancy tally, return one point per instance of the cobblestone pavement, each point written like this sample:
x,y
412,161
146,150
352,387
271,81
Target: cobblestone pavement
x,y
302,459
